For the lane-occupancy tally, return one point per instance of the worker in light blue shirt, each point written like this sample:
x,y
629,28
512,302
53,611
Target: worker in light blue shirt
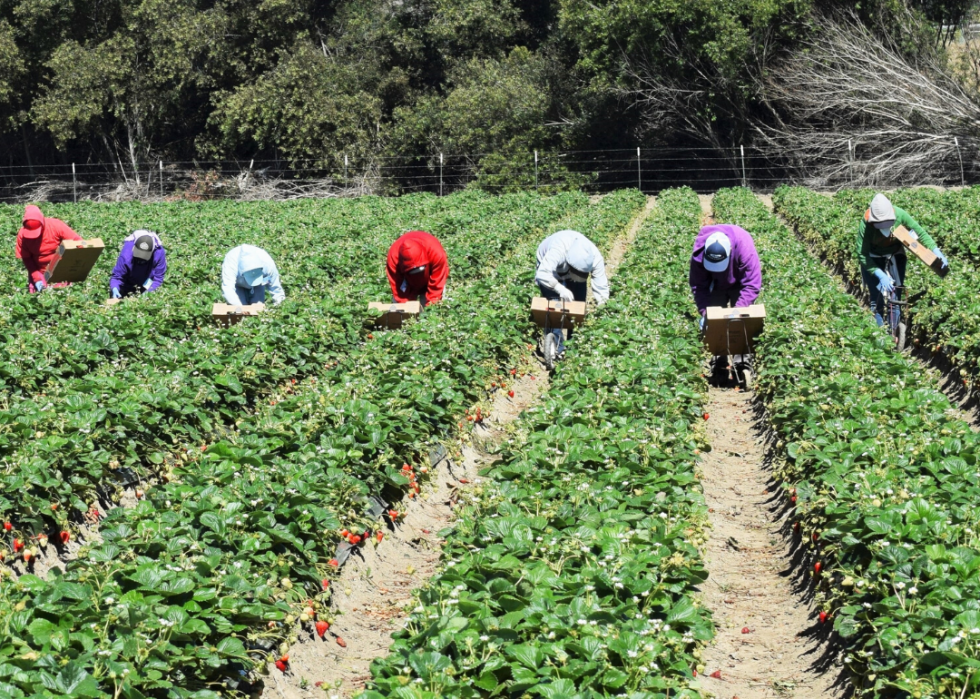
x,y
247,273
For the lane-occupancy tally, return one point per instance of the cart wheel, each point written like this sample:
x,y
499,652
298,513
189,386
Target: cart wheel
x,y
746,379
549,351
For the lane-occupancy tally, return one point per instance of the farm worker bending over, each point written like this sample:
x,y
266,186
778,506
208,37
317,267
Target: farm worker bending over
x,y
725,268
565,261
37,243
140,267
247,273
417,268
877,249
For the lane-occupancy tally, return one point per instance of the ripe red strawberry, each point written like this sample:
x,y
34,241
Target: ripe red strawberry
x,y
344,533
333,562
27,556
54,507
817,567
18,545
823,617
510,393
380,536
7,526
694,672
513,372
325,584
281,666
354,540
65,537
746,629
716,674
341,642
370,336
816,536
321,628
393,514
796,526
793,499
706,416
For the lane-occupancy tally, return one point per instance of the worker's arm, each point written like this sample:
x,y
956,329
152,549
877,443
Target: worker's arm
x,y
864,245
120,270
902,218
600,283
438,274
229,276
275,286
750,274
395,280
545,275
700,280
31,263
158,271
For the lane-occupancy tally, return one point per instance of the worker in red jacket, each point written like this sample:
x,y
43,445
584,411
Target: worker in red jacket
x,y
37,242
417,268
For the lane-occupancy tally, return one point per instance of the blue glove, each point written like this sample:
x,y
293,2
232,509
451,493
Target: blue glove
x,y
147,284
115,293
701,324
885,283
39,285
938,253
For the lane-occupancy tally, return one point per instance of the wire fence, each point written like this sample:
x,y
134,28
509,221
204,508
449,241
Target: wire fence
x,y
594,171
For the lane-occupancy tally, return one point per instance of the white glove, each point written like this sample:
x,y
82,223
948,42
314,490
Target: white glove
x,y
564,293
599,300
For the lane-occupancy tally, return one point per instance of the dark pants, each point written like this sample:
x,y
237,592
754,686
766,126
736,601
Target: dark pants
x,y
579,290
726,299
879,303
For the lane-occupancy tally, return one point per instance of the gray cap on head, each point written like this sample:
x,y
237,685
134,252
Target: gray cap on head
x,y
881,209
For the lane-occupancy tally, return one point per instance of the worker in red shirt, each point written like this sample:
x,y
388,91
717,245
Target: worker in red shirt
x,y
37,242
417,268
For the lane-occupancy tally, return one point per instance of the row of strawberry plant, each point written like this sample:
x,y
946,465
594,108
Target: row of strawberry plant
x,y
882,479
68,441
945,315
68,333
575,571
181,568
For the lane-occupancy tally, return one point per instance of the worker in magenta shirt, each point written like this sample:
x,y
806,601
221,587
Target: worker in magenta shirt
x,y
725,268
37,243
417,268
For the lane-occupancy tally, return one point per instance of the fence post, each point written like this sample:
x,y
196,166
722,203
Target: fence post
x,y
74,185
744,181
850,160
161,179
639,172
440,174
959,155
345,170
535,169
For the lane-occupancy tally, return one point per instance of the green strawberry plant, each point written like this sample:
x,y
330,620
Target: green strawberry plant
x,y
268,502
575,570
880,478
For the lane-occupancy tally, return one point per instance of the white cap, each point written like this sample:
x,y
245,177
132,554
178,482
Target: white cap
x,y
581,257
719,247
881,211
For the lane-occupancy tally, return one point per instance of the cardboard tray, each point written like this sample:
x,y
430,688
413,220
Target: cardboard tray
x,y
733,330
226,315
73,261
911,242
394,315
557,313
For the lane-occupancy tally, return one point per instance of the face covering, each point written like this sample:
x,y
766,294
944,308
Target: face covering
x,y
885,228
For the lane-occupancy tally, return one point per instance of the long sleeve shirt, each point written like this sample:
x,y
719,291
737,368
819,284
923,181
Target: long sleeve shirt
x,y
36,253
871,242
127,274
246,258
564,251
415,249
744,269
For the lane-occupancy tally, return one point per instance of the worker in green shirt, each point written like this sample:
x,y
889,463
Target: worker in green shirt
x,y
878,249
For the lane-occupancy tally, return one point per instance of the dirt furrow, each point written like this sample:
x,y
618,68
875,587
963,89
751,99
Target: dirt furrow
x,y
374,593
762,648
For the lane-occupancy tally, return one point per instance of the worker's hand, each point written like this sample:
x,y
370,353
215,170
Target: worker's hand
x,y
938,253
564,293
600,301
885,283
39,285
115,293
259,305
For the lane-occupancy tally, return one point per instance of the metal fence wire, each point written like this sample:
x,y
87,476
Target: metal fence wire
x,y
594,171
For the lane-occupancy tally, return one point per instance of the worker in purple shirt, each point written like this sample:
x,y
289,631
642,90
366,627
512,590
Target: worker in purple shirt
x,y
725,268
140,267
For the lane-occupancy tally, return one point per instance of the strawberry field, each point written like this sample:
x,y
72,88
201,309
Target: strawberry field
x,y
178,500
